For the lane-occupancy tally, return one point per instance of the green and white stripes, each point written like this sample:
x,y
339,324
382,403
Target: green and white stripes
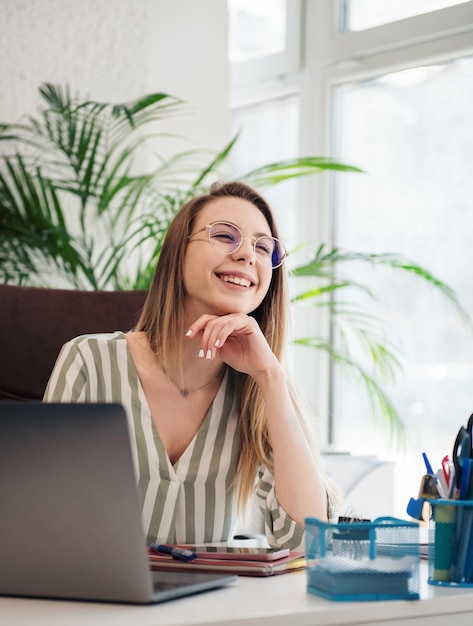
x,y
194,500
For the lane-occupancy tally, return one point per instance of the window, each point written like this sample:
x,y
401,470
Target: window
x,y
384,86
394,100
362,14
412,132
264,41
268,133
255,32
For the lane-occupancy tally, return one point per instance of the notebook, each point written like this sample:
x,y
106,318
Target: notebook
x,y
292,563
70,523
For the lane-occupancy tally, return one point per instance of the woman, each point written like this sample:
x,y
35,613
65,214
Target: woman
x,y
212,417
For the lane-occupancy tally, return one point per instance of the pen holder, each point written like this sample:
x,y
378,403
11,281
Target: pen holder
x,y
451,543
376,560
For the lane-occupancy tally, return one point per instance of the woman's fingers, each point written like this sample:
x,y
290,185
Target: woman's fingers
x,y
203,325
216,330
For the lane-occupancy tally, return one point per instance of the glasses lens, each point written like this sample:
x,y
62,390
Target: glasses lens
x,y
224,237
279,254
269,252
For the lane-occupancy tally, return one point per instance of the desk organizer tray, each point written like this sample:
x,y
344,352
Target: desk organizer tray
x,y
377,560
451,543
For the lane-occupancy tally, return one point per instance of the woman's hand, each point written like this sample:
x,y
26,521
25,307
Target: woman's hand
x,y
237,339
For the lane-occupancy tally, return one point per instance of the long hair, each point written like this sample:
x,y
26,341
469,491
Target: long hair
x,y
162,321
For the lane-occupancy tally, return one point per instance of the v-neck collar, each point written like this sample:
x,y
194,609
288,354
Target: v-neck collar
x,y
182,461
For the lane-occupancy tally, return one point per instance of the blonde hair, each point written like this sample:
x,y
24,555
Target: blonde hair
x,y
162,321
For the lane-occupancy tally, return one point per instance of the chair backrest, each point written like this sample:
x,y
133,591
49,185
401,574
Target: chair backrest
x,y
35,323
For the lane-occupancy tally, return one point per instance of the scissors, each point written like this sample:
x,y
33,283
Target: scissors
x,y
469,430
462,460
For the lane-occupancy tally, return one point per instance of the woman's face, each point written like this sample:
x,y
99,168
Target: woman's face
x,y
218,283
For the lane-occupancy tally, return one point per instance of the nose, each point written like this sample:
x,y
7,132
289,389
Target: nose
x,y
246,251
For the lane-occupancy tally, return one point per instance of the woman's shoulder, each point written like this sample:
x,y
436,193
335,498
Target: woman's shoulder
x,y
102,339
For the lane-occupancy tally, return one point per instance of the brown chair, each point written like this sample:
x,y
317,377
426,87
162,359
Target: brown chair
x,y
35,323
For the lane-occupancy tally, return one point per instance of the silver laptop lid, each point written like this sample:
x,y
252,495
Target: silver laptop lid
x,y
70,525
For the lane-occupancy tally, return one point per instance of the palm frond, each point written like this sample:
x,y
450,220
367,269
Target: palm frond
x,y
73,208
354,329
327,261
221,157
277,172
381,405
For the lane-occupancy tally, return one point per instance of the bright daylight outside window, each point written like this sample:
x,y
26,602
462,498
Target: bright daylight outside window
x,y
268,125
248,19
362,14
412,133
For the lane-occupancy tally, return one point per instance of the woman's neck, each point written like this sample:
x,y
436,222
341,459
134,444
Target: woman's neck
x,y
186,370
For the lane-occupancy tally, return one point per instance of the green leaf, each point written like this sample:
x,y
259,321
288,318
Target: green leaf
x,y
382,406
277,172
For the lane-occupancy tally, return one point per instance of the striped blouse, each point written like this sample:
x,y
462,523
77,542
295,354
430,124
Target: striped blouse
x,y
194,499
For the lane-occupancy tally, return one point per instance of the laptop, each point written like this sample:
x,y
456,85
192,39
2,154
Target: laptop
x,y
70,522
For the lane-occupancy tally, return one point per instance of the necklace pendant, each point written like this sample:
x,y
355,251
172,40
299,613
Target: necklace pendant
x,y
184,392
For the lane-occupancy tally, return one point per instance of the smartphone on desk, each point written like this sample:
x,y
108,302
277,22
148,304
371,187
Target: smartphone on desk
x,y
207,551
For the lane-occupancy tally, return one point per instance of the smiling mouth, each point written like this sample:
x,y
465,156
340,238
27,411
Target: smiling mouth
x,y
236,280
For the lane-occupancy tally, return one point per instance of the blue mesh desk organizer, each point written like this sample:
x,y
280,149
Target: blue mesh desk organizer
x,y
377,560
451,543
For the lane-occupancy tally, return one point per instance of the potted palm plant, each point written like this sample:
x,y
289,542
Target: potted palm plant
x,y
77,210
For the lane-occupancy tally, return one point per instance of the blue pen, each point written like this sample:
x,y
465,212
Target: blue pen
x,y
428,466
431,472
180,554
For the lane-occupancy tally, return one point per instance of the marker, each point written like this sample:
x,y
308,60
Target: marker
x,y
179,554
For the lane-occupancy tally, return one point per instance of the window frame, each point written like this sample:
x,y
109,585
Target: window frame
x,y
273,66
327,58
333,58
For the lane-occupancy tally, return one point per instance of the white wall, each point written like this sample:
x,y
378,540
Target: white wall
x,y
117,50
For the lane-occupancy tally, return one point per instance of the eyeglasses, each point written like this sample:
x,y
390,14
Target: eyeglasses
x,y
227,238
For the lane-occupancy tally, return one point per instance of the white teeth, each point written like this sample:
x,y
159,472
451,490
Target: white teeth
x,y
237,281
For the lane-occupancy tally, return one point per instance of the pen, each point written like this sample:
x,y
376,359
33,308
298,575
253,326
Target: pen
x,y
430,472
179,554
428,466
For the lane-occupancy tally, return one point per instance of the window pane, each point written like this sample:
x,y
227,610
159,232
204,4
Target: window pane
x,y
362,14
257,28
269,133
412,132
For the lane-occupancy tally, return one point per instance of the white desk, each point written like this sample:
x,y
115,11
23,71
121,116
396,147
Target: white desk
x,y
277,601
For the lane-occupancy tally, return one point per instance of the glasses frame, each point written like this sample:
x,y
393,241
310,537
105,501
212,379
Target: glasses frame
x,y
255,241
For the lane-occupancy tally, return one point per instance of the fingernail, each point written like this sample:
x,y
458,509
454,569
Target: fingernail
x,y
209,354
188,333
201,353
217,343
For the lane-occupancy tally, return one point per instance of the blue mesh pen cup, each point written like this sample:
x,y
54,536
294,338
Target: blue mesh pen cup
x,y
451,543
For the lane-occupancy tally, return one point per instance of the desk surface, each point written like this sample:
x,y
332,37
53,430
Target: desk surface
x,y
277,601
